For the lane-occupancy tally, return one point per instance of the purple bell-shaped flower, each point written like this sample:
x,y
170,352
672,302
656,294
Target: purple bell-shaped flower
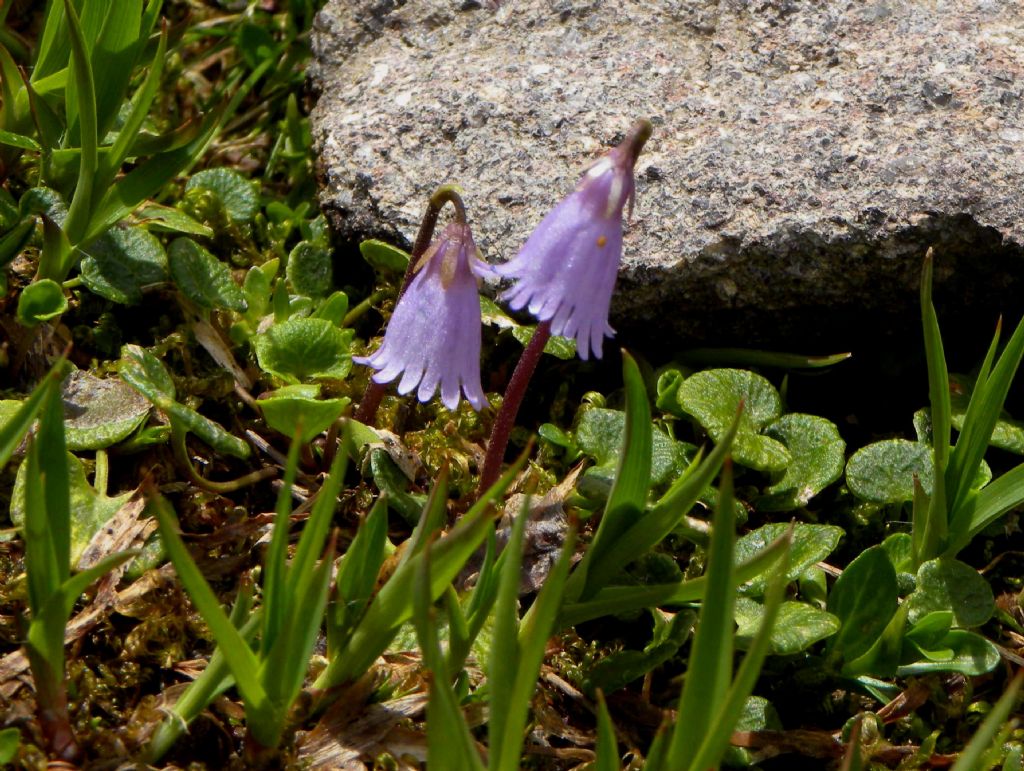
x,y
565,273
433,338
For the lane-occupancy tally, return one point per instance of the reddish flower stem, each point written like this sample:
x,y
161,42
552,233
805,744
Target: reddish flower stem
x,y
514,394
368,405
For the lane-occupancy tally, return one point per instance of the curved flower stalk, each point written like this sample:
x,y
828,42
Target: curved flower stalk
x,y
433,338
565,273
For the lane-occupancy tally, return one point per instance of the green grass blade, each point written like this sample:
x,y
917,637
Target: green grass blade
x,y
479,604
43,574
988,505
211,683
954,468
657,753
14,430
113,58
715,742
534,632
627,599
275,597
284,668
449,743
314,533
971,758
239,656
661,519
393,605
10,79
607,748
111,162
81,207
978,426
709,669
504,658
628,496
79,582
357,576
147,178
431,520
938,393
53,43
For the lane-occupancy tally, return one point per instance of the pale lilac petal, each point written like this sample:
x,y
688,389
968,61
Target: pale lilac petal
x,y
565,273
433,338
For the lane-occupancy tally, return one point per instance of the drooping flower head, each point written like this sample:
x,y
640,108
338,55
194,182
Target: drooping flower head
x,y
565,273
433,338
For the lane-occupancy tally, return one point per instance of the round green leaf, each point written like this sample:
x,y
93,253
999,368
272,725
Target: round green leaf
x,y
310,270
948,584
100,413
203,278
41,301
287,408
121,262
383,256
713,398
811,544
305,348
600,435
884,472
818,453
237,194
796,629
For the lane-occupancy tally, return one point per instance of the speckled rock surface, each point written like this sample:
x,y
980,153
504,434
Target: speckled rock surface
x,y
805,154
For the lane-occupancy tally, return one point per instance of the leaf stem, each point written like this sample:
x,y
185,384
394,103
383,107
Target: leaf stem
x,y
230,486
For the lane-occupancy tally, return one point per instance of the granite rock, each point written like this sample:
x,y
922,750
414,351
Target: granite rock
x,y
805,154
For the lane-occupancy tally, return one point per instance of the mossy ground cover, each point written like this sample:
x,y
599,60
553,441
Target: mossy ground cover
x,y
203,316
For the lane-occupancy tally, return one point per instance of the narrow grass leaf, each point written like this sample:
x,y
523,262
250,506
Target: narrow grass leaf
x,y
715,742
53,43
938,375
626,599
957,462
393,606
449,743
311,542
14,430
534,632
275,597
431,519
213,681
649,530
79,582
85,92
357,576
995,721
709,669
113,58
607,748
990,503
111,161
284,668
504,658
980,422
240,658
628,496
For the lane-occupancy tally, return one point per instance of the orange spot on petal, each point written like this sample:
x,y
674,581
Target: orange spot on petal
x,y
601,240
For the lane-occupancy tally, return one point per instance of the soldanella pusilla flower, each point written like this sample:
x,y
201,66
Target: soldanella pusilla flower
x,y
433,338
566,270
